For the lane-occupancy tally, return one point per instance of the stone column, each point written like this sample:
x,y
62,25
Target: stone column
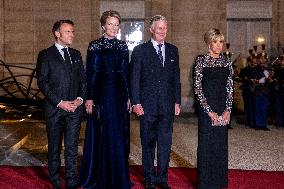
x,y
277,25
2,30
1,36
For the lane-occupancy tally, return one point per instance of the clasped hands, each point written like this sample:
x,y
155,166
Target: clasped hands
x,y
225,118
70,106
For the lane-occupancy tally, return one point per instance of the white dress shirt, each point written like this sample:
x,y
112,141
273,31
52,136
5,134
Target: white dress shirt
x,y
60,47
155,44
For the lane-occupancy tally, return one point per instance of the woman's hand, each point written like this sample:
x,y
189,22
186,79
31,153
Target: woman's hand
x,y
214,118
89,106
177,109
129,108
138,109
226,117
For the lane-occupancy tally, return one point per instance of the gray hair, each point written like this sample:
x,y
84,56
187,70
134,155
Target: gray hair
x,y
155,19
212,35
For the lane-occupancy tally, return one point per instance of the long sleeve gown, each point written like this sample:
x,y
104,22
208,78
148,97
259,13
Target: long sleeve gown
x,y
214,89
106,147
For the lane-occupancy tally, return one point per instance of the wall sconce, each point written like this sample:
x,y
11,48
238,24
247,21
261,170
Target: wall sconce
x,y
260,39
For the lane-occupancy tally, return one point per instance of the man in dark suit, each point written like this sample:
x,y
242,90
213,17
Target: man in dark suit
x,y
155,95
61,78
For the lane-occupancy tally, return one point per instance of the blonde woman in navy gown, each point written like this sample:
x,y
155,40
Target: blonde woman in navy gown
x,y
106,148
214,89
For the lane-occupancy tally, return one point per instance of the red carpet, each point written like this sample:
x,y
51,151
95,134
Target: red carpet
x,y
179,178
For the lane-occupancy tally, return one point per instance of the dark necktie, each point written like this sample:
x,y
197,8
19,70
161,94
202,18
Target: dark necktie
x,y
160,53
66,55
67,59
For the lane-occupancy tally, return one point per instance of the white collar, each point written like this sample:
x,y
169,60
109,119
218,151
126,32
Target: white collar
x,y
155,43
60,47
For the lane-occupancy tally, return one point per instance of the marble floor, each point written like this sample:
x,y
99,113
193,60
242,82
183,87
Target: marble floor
x,y
23,143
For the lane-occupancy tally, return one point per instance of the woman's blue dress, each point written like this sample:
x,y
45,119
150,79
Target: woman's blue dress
x,y
106,147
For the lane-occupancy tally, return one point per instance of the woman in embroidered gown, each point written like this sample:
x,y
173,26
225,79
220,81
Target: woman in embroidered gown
x,y
214,89
106,147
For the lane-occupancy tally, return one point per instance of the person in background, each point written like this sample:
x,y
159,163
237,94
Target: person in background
x,y
278,93
245,76
260,78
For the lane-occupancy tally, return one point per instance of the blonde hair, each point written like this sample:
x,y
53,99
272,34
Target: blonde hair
x,y
212,35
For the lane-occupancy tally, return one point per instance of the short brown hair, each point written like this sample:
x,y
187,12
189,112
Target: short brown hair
x,y
213,34
58,24
109,13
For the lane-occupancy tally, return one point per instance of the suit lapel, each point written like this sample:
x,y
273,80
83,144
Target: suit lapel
x,y
61,60
153,53
167,55
151,48
57,54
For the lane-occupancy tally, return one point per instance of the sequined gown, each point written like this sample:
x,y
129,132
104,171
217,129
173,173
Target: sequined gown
x,y
213,86
106,146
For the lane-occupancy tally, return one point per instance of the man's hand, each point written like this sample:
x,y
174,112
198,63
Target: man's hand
x,y
77,102
177,109
138,109
89,106
68,106
129,108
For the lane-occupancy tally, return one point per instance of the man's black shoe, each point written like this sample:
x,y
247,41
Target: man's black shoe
x,y
163,186
149,185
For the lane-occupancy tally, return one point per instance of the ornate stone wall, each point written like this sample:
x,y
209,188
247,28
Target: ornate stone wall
x,y
25,29
28,24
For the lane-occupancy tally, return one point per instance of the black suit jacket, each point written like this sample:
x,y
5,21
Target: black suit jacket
x,y
56,80
156,87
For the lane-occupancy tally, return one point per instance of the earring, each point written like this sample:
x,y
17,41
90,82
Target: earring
x,y
209,49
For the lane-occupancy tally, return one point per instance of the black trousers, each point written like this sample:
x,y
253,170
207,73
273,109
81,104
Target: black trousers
x,y
63,125
156,130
